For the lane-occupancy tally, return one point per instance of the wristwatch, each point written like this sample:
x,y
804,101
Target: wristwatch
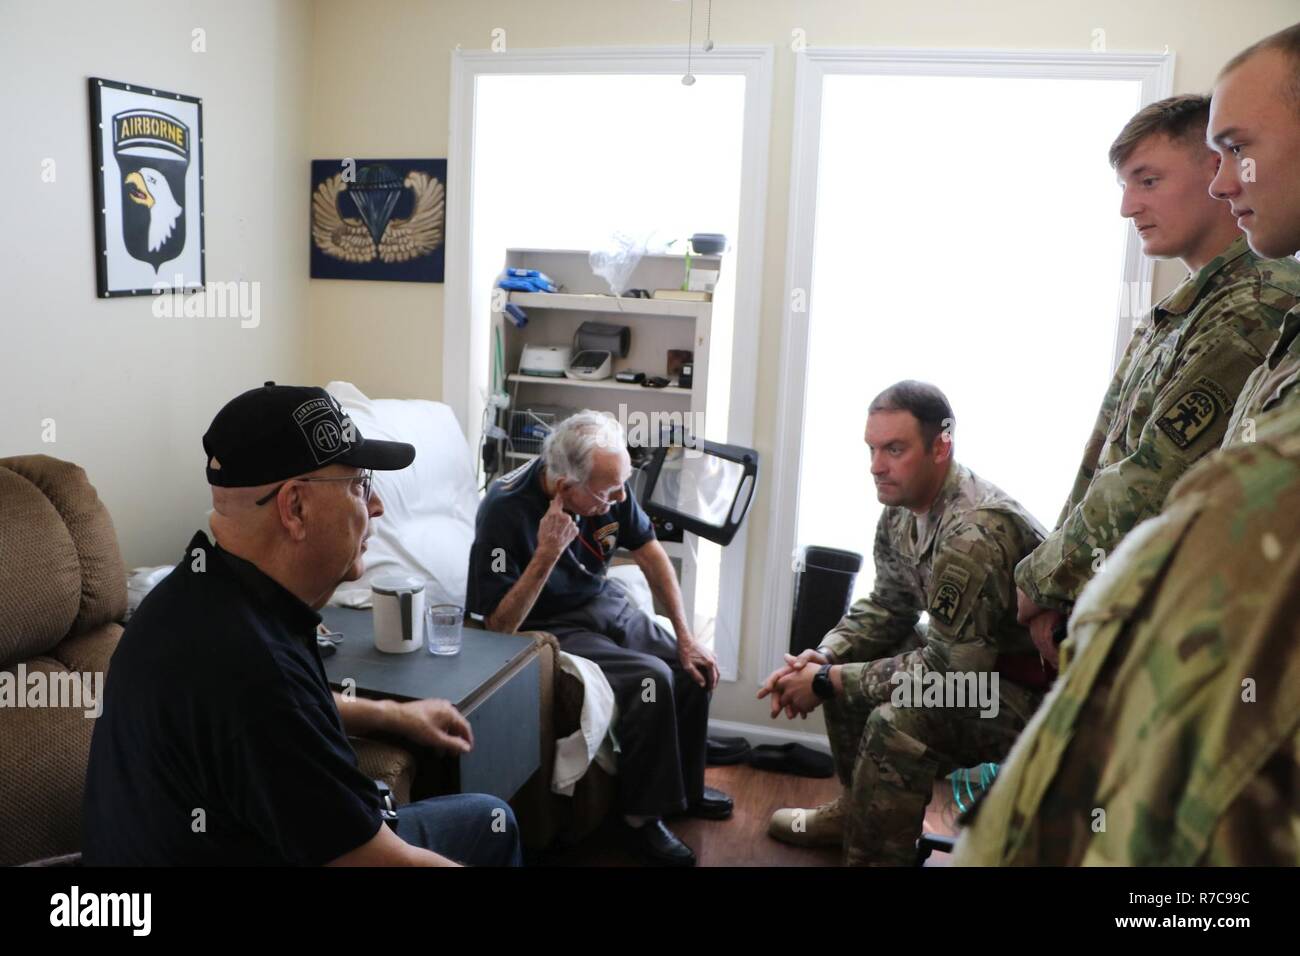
x,y
821,683
387,805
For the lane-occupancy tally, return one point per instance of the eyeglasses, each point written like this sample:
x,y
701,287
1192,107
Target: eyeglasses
x,y
601,499
366,478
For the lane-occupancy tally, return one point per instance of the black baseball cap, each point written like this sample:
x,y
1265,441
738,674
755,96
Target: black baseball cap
x,y
278,432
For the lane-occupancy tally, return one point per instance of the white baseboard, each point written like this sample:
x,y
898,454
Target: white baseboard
x,y
758,734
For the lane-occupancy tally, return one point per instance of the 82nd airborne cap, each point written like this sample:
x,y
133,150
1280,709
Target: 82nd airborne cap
x,y
278,432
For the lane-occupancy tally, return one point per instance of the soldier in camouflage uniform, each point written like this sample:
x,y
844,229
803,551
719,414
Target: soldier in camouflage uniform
x,y
1274,384
1255,127
946,546
1174,735
1170,400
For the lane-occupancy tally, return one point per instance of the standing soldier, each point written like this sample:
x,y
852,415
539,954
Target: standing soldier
x,y
1171,397
1173,736
1258,178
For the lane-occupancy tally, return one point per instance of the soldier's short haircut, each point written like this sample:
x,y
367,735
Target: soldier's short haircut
x,y
1182,118
1284,41
925,402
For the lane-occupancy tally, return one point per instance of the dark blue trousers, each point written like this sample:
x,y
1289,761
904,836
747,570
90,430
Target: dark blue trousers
x,y
470,828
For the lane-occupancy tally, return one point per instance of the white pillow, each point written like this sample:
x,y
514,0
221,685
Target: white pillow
x,y
428,522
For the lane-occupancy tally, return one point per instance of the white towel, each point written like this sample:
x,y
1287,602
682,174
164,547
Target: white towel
x,y
593,740
140,582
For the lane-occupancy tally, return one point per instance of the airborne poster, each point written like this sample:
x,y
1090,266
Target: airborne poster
x,y
147,147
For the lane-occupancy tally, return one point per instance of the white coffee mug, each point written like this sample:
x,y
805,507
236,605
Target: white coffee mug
x,y
399,613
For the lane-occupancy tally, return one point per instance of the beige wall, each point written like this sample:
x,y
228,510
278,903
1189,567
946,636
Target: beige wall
x,y
131,394
386,92
287,81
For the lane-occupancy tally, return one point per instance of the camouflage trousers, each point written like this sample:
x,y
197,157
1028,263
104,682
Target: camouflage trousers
x,y
888,758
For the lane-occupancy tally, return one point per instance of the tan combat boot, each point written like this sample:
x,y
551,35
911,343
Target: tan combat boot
x,y
821,826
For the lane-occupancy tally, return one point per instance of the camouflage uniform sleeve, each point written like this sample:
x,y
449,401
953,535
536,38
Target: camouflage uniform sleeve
x,y
876,625
1189,418
1276,383
971,594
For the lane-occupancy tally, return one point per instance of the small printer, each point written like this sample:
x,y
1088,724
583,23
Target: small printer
x,y
547,361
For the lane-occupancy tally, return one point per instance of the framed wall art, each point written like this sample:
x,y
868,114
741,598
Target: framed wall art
x,y
147,165
378,219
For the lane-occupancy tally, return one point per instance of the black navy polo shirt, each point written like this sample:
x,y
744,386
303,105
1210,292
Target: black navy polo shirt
x,y
505,537
216,701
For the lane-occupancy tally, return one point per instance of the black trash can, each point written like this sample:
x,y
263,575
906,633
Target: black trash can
x,y
821,594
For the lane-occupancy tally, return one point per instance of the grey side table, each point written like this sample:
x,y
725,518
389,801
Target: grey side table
x,y
495,682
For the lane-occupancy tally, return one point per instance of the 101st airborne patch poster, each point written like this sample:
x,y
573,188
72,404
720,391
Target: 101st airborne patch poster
x,y
147,147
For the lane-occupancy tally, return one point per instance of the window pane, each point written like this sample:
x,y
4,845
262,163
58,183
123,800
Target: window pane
x,y
967,235
565,161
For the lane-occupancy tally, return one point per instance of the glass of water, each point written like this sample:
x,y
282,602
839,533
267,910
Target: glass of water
x,y
442,629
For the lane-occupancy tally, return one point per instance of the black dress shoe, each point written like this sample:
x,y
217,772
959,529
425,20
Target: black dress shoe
x,y
660,845
724,751
714,805
792,758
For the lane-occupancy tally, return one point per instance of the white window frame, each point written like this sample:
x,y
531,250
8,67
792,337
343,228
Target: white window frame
x,y
813,65
466,348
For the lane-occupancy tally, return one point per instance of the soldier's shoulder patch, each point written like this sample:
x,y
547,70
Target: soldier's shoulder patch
x,y
952,571
1192,414
947,598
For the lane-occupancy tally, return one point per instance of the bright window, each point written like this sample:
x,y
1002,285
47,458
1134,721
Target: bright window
x,y
967,234
564,161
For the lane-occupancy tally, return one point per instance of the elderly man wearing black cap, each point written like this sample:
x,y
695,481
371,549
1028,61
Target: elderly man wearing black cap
x,y
220,741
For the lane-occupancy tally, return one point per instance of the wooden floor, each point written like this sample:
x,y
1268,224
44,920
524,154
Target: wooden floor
x,y
743,840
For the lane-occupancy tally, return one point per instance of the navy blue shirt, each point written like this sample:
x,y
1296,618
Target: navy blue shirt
x,y
217,701
505,537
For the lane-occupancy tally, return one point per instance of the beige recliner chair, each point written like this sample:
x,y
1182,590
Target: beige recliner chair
x,y
62,590
62,594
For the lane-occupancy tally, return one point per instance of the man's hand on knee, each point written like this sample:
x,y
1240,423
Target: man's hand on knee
x,y
699,663
435,723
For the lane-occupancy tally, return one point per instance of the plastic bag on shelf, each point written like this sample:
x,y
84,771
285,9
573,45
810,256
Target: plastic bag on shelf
x,y
616,261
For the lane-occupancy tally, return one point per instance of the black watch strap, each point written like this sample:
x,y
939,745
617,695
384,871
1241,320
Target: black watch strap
x,y
822,685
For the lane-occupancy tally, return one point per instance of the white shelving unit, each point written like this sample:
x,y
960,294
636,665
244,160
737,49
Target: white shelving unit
x,y
605,385
612,305
656,326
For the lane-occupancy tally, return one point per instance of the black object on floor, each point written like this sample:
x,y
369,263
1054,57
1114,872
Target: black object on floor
x,y
713,805
724,751
792,758
822,591
659,845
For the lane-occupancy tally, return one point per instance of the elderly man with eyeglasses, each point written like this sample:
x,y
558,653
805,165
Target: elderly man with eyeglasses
x,y
220,742
543,540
